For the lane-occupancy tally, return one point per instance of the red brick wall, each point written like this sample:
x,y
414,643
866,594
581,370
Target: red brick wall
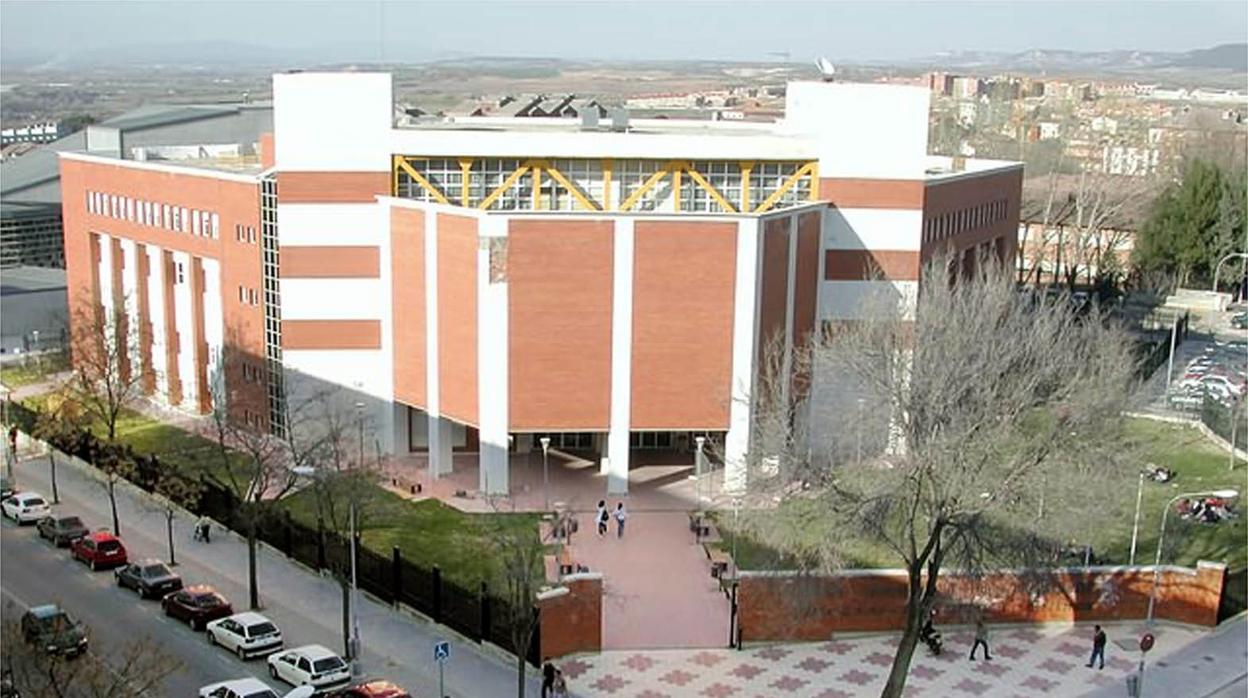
x,y
572,622
776,608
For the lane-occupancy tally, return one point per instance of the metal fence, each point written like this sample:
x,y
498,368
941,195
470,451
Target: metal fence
x,y
474,613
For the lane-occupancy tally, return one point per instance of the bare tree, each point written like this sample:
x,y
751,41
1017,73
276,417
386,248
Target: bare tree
x,y
976,410
174,492
114,462
138,668
57,424
105,380
519,555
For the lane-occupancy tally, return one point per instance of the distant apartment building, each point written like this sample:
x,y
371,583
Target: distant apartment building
x,y
479,283
34,133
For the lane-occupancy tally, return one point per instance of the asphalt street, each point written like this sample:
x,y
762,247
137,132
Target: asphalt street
x,y
33,572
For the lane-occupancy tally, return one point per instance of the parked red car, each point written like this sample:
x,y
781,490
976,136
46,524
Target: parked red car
x,y
372,689
99,549
197,605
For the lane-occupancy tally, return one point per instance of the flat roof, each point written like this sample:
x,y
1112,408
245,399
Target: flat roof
x,y
513,124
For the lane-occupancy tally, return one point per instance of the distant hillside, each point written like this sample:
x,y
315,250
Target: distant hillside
x,y
1227,57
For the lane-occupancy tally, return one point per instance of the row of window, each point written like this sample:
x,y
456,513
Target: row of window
x,y
252,372
178,219
953,223
248,296
245,233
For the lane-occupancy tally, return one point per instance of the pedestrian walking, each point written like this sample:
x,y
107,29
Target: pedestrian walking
x,y
548,678
1098,648
601,518
981,638
203,529
620,515
561,685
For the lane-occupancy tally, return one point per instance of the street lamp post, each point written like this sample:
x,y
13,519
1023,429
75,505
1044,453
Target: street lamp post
x,y
1174,334
355,588
1135,527
1227,493
545,441
1217,269
698,469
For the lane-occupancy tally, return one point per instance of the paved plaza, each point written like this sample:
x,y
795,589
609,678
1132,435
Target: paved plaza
x,y
1026,662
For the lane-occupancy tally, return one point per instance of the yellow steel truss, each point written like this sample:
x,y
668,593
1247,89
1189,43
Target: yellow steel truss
x,y
539,167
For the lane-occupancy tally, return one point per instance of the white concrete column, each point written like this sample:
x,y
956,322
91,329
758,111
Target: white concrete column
x,y
616,463
441,461
184,323
156,310
492,379
744,347
130,301
790,293
105,275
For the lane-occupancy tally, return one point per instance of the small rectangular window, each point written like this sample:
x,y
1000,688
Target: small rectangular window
x,y
195,222
181,272
238,232
251,234
167,224
216,226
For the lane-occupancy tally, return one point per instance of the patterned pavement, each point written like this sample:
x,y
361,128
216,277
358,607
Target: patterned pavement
x,y
1027,662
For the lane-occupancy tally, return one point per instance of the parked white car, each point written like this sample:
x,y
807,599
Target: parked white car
x,y
245,634
310,665
249,688
26,507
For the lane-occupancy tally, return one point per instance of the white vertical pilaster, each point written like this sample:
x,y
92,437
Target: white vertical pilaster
x,y
105,275
214,325
621,357
492,379
184,319
130,302
744,347
156,311
441,453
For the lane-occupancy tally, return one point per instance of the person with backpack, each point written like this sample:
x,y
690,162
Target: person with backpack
x,y
601,518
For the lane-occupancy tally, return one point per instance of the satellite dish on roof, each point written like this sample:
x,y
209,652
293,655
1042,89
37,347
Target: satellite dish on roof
x,y
826,69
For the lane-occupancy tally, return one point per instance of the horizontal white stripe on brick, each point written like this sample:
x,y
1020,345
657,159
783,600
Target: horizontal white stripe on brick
x,y
331,224
358,370
873,229
854,300
332,299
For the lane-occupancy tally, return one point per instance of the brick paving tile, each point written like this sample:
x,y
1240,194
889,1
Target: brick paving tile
x,y
925,672
788,683
994,669
718,690
972,686
747,671
1070,648
677,677
861,678
1009,651
610,683
1039,683
1055,665
707,659
1025,635
651,693
813,664
775,654
573,668
833,693
838,648
879,659
639,662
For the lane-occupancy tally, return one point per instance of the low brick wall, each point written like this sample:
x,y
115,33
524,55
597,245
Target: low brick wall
x,y
785,606
571,616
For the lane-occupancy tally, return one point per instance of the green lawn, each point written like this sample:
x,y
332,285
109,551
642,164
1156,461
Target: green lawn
x,y
429,533
1199,465
31,371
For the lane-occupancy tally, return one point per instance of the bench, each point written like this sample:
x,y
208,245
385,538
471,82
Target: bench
x,y
551,567
719,562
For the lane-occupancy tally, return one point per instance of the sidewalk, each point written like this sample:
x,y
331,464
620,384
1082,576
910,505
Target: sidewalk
x,y
305,606
1213,665
1028,662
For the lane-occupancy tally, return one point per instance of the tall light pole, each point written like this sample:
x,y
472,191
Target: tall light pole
x,y
355,588
698,459
545,441
1174,333
1152,594
1217,269
1135,527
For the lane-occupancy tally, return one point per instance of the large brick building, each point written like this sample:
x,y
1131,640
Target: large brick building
x,y
474,282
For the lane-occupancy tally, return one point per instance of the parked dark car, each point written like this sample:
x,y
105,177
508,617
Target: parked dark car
x,y
99,549
197,605
61,530
150,578
371,689
52,628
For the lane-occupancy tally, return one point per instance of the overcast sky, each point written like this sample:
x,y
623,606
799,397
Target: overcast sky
x,y
617,29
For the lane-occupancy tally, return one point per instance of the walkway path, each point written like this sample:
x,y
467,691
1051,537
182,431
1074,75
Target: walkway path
x,y
306,606
1213,665
1027,662
658,586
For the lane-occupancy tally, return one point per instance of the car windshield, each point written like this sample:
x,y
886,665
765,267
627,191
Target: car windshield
x,y
261,629
266,693
108,546
70,522
34,502
60,622
327,664
156,570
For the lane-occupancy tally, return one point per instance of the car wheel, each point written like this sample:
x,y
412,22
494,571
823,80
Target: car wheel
x,y
93,565
196,625
242,653
212,639
273,671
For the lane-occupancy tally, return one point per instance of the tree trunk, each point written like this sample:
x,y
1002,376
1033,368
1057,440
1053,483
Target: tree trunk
x,y
346,616
112,502
909,639
56,497
520,673
169,532
253,590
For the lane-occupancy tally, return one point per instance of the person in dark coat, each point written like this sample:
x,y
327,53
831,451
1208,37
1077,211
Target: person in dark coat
x,y
548,678
1098,648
